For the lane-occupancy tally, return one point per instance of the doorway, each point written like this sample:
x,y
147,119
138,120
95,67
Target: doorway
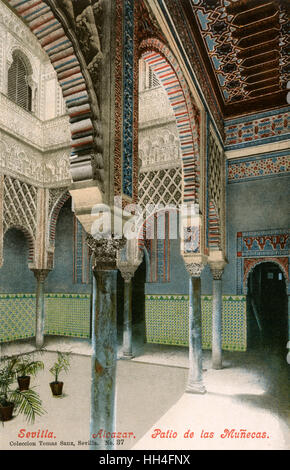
x,y
267,308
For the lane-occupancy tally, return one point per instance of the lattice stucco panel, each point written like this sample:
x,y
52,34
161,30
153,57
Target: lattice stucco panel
x,y
19,205
216,183
160,187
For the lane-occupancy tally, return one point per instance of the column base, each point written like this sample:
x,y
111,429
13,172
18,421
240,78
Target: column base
x,y
197,388
39,344
217,366
126,357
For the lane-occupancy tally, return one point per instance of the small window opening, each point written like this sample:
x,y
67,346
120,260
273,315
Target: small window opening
x,y
19,90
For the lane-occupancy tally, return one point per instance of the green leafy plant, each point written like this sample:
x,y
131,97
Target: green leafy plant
x,y
26,365
61,365
25,402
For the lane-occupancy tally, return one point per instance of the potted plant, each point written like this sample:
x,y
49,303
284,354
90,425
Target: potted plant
x,y
61,365
27,366
26,402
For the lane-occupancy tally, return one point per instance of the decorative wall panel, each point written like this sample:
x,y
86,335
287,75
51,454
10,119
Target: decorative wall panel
x,y
260,166
167,321
17,313
68,315
262,128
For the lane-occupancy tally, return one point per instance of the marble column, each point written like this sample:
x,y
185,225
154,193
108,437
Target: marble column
x,y
104,343
217,309
40,275
127,350
195,378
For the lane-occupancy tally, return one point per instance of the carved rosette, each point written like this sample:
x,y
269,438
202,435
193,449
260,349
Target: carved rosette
x,y
104,252
194,269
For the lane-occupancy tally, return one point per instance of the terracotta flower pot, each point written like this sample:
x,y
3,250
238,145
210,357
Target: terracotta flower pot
x,y
23,382
6,412
56,388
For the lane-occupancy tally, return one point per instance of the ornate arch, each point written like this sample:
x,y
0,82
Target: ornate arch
x,y
61,45
165,66
29,238
54,213
251,263
17,49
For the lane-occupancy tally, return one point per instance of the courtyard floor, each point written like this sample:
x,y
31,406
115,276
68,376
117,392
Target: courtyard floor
x,y
250,393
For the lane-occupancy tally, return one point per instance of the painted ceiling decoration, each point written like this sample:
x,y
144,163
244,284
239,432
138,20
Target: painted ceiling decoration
x,y
246,46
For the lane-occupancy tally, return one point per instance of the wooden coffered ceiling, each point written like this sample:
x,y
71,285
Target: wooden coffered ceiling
x,y
244,45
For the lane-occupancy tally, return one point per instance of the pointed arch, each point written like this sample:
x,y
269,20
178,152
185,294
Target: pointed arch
x,y
251,263
70,66
54,213
29,239
165,66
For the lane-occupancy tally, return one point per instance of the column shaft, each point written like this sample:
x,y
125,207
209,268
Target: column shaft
x,y
104,342
127,327
40,275
217,324
40,314
195,383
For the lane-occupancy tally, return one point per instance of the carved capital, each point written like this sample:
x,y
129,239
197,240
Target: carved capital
x,y
217,268
104,252
194,269
127,272
41,274
217,273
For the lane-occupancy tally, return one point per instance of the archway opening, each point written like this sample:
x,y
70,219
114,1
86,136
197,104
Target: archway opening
x,y
268,310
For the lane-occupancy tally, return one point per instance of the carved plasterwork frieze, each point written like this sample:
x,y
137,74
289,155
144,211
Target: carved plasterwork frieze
x,y
159,148
57,170
44,136
21,161
154,106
